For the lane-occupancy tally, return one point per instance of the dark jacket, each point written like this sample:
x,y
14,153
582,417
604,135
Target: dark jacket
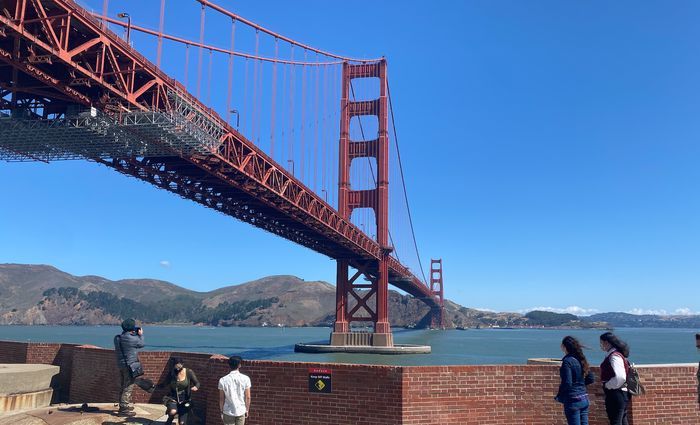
x,y
573,383
126,347
171,385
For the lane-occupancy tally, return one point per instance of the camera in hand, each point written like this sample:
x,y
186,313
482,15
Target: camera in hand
x,y
137,329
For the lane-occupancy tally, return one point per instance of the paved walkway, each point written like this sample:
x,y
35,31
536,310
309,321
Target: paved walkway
x,y
94,414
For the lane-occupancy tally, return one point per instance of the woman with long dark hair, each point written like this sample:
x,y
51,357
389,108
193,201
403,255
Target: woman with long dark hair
x,y
181,383
575,375
613,374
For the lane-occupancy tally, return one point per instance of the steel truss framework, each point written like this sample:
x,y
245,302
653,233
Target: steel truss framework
x,y
72,89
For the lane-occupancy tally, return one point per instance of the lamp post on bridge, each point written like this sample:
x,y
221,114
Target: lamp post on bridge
x,y
238,117
128,26
291,161
325,194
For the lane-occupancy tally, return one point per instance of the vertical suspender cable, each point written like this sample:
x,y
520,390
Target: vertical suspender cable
x,y
315,157
274,103
261,96
324,133
303,118
255,87
160,32
230,75
209,72
336,125
245,99
291,112
283,102
201,52
187,63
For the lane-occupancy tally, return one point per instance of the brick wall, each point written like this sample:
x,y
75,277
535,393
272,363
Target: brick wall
x,y
56,354
361,394
368,395
671,396
13,352
488,395
44,353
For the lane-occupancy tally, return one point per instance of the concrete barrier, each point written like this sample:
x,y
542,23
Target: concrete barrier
x,y
25,386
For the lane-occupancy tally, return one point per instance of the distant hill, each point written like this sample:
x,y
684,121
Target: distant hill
x,y
41,294
550,319
626,320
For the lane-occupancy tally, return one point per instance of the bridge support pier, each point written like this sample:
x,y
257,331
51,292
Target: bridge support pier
x,y
363,293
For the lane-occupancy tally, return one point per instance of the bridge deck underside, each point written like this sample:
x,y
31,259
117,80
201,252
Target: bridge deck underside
x,y
126,149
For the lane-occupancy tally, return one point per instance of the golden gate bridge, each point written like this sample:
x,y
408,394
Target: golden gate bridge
x,y
270,147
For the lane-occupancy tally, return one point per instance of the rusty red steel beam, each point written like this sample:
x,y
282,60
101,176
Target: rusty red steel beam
x,y
57,46
236,151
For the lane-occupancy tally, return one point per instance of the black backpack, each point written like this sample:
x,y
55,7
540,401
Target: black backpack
x,y
634,383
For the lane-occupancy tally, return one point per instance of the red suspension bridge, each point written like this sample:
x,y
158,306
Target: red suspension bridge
x,y
71,88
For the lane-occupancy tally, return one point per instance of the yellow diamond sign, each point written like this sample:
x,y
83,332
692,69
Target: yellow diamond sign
x,y
320,380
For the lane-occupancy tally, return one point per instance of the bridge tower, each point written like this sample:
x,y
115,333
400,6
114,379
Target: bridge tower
x,y
437,313
375,271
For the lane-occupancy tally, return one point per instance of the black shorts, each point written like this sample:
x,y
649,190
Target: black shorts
x,y
181,408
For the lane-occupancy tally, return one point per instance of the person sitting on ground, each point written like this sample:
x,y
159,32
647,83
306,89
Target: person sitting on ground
x,y
181,383
234,394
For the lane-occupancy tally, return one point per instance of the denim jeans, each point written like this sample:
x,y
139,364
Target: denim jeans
x,y
577,412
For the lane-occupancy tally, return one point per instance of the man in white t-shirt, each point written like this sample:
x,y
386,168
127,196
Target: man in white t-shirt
x,y
234,394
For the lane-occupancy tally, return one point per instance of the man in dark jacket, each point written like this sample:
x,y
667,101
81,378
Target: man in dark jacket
x,y
126,347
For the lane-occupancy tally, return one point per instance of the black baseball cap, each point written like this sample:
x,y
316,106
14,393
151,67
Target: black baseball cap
x,y
129,324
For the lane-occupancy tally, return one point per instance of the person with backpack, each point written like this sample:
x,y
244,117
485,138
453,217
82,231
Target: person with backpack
x,y
575,374
613,375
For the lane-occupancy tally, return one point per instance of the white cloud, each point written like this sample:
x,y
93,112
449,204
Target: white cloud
x,y
639,311
490,310
683,311
572,309
165,264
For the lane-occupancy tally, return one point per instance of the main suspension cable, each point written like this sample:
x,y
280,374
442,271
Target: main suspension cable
x,y
281,37
403,181
207,46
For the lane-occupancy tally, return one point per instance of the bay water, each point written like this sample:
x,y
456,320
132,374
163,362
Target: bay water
x,y
449,347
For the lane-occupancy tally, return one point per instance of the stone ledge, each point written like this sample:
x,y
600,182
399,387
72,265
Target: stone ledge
x,y
26,378
362,349
23,401
93,414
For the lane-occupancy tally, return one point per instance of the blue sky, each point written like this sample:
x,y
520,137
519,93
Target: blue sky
x,y
551,152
